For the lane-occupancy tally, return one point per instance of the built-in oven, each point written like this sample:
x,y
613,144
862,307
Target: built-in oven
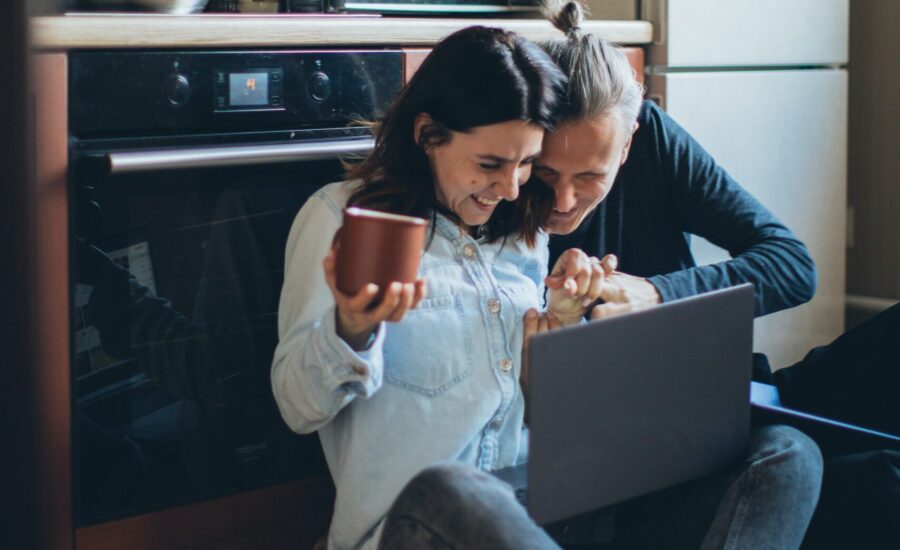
x,y
186,171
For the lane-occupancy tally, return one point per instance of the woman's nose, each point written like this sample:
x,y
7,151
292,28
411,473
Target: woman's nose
x,y
508,185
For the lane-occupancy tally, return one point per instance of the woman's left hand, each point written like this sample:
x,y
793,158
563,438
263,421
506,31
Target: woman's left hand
x,y
357,317
534,322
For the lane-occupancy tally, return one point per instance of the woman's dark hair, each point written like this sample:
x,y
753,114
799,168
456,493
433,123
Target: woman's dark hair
x,y
475,77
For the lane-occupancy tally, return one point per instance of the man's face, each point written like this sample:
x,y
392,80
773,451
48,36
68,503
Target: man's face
x,y
579,161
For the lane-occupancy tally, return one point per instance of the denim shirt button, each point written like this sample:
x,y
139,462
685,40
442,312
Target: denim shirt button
x,y
506,364
360,370
493,305
469,251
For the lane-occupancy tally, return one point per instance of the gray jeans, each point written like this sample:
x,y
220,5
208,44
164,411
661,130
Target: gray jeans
x,y
765,502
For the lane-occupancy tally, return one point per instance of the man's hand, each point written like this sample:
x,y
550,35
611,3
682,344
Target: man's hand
x,y
575,283
622,293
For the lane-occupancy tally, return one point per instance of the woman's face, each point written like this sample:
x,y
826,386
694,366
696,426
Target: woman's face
x,y
477,169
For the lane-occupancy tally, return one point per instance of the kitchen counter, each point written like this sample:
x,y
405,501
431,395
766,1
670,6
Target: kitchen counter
x,y
67,32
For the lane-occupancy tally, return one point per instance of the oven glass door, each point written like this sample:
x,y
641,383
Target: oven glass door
x,y
176,280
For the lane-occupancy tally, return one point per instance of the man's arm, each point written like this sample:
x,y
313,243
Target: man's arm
x,y
708,202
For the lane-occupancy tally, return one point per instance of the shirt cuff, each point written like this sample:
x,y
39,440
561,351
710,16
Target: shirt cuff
x,y
667,290
358,371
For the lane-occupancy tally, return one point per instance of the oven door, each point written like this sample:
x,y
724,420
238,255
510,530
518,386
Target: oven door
x,y
178,260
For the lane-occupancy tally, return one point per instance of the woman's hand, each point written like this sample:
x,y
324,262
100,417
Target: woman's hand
x,y
355,320
576,282
534,323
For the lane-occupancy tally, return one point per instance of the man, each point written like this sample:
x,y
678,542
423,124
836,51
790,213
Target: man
x,y
638,196
631,185
632,199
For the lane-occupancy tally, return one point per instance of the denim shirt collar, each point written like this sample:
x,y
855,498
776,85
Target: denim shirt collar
x,y
451,231
447,229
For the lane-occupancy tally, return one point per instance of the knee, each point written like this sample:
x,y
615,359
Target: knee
x,y
451,486
788,458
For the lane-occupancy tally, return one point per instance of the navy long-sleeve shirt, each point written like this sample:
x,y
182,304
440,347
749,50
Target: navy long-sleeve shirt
x,y
670,188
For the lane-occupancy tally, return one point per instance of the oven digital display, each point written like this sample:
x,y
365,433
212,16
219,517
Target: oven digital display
x,y
248,89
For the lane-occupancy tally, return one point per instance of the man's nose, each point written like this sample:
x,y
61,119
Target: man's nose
x,y
565,195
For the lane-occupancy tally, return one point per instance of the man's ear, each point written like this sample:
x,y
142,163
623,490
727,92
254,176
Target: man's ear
x,y
627,147
422,120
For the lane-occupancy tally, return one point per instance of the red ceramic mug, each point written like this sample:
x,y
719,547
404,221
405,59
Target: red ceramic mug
x,y
377,247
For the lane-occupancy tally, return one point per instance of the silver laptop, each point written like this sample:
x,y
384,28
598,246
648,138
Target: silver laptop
x,y
628,405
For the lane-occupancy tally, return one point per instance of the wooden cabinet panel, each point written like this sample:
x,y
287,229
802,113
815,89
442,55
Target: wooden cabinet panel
x,y
636,59
412,60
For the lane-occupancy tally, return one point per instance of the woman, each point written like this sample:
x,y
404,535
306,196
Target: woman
x,y
440,382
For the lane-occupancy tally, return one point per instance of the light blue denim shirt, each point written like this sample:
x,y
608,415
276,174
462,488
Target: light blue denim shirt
x,y
442,384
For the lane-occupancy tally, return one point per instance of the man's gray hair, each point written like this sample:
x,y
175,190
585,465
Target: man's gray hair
x,y
601,81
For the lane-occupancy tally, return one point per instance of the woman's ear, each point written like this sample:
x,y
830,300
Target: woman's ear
x,y
421,121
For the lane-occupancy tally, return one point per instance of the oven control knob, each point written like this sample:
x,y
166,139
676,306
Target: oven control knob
x,y
319,86
178,90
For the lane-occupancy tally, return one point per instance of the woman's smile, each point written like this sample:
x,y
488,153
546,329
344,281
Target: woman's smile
x,y
486,203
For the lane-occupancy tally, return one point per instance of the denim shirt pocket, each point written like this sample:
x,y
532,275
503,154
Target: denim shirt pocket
x,y
429,352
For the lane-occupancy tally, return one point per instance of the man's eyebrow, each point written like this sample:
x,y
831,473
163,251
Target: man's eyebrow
x,y
592,173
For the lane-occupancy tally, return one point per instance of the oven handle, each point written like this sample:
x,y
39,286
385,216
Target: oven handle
x,y
211,157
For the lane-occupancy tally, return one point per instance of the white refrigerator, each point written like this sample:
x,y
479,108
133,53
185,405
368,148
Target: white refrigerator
x,y
762,85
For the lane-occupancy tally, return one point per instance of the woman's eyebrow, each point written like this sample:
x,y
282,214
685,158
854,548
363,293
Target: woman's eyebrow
x,y
494,158
499,159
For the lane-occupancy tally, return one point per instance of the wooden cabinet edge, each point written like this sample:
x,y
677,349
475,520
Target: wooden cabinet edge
x,y
412,60
51,304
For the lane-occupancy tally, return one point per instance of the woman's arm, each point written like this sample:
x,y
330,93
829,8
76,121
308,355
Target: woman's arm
x,y
315,373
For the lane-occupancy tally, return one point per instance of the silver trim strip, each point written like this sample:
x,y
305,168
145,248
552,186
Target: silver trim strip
x,y
210,157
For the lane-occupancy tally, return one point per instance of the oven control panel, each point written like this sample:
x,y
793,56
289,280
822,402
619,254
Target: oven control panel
x,y
249,89
164,93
